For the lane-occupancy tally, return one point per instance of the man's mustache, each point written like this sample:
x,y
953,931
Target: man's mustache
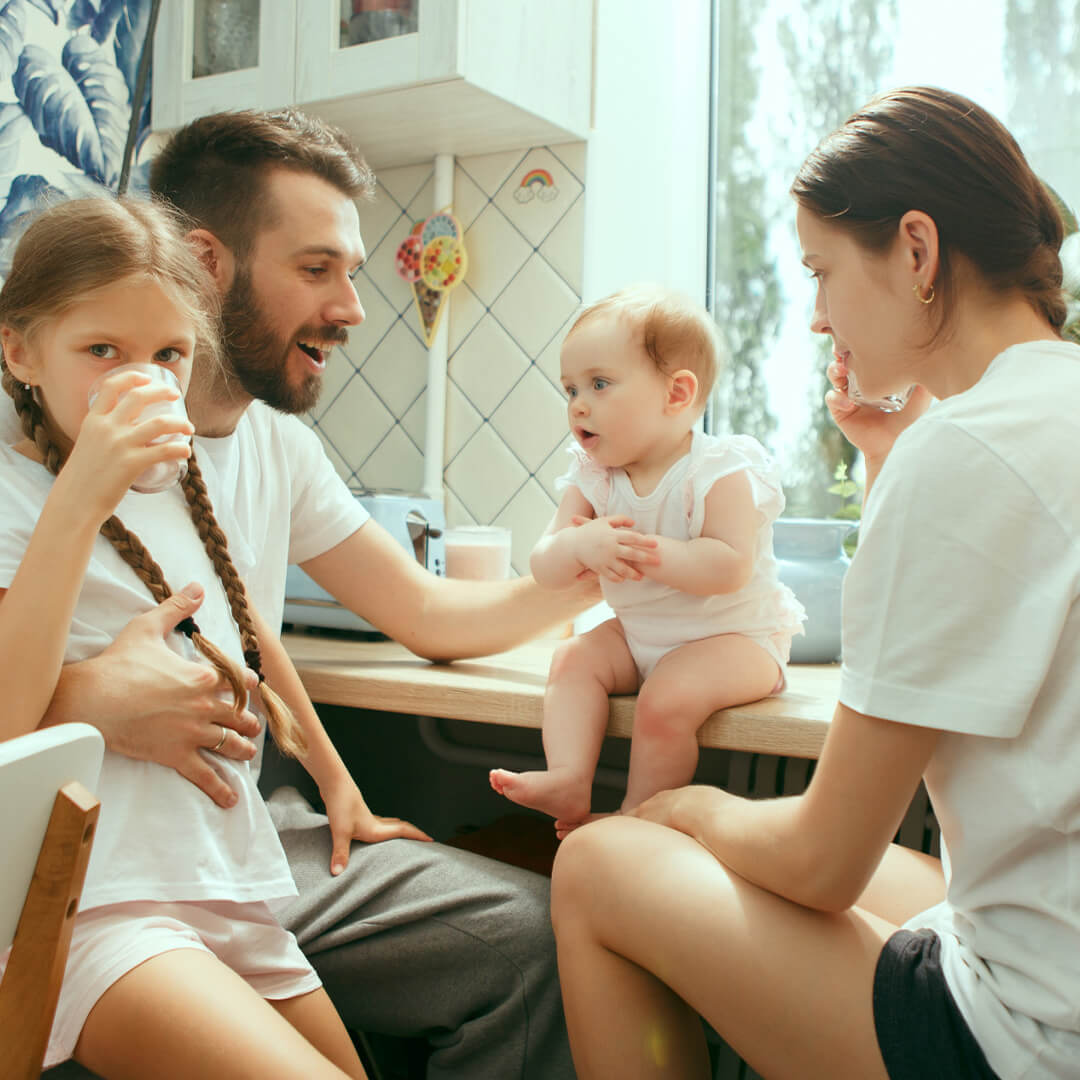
x,y
324,335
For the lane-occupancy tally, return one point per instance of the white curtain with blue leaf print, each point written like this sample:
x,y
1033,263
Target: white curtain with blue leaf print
x,y
67,77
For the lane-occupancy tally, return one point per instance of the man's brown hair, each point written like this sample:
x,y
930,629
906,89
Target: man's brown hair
x,y
215,168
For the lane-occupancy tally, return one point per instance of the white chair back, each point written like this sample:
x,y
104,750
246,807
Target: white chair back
x,y
33,768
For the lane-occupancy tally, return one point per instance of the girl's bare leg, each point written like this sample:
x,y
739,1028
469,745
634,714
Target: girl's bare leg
x,y
184,1013
585,671
685,688
652,930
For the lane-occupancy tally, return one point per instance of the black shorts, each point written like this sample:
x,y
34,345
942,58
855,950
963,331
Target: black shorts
x,y
919,1028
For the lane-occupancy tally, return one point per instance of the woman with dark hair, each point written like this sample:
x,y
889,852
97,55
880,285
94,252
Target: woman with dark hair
x,y
811,943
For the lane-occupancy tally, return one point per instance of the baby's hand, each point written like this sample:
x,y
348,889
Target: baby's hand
x,y
114,446
609,547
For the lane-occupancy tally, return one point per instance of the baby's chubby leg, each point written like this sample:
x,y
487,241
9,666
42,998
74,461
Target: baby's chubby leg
x,y
687,685
585,671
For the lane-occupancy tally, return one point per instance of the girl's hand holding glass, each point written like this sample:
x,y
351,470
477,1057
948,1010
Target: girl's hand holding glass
x,y
136,434
609,547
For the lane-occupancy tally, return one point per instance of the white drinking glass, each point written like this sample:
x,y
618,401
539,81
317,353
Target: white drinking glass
x,y
888,403
165,473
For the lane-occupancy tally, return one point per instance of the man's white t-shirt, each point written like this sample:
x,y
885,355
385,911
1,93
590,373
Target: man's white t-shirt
x,y
283,491
159,837
961,613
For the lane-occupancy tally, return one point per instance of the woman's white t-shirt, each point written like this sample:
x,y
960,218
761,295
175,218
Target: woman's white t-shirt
x,y
961,613
159,837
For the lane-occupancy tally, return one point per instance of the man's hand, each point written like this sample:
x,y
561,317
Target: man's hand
x,y
152,705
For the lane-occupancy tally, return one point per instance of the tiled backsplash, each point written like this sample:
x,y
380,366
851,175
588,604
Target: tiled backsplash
x,y
522,213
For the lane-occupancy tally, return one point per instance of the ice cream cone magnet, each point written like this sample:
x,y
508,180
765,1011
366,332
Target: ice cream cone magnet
x,y
432,259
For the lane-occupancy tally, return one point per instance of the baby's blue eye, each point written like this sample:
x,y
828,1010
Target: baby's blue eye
x,y
570,391
599,384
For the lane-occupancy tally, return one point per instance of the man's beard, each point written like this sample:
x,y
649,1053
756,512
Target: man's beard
x,y
258,357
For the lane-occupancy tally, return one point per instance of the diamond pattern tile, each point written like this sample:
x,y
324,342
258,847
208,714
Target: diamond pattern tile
x,y
381,274
397,456
397,369
534,305
487,365
555,465
377,216
548,360
404,182
414,422
532,420
497,251
379,316
356,422
465,312
339,370
505,412
462,421
489,171
572,155
526,516
537,194
562,247
469,198
486,475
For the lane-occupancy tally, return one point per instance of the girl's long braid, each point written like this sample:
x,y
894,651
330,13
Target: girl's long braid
x,y
132,550
286,732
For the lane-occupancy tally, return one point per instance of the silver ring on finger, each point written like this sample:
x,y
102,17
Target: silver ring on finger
x,y
221,742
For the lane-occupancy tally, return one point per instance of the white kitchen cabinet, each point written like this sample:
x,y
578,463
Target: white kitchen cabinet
x,y
475,77
194,37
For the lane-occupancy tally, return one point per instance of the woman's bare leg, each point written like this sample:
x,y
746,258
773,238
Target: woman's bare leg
x,y
184,1014
685,688
585,671
652,929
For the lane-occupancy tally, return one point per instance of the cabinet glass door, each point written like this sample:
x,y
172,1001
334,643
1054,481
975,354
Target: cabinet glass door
x,y
226,36
374,20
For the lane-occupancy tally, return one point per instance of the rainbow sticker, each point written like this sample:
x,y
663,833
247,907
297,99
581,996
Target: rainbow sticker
x,y
536,183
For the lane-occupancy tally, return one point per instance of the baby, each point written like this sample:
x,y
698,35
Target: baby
x,y
677,525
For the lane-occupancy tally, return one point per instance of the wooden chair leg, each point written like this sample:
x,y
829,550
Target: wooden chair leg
x,y
35,969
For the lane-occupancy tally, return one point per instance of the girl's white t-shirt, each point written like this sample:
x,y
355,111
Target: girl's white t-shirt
x,y
159,837
961,612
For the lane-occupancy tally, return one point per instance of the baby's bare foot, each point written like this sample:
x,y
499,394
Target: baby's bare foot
x,y
554,792
565,826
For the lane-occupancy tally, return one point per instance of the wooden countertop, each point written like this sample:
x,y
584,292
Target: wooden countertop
x,y
509,689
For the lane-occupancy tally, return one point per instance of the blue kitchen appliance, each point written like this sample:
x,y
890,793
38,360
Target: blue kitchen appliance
x,y
416,522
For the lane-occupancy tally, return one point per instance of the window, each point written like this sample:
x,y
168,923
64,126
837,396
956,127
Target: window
x,y
786,72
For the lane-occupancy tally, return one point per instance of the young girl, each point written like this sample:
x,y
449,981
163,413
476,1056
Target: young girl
x,y
174,954
678,527
814,946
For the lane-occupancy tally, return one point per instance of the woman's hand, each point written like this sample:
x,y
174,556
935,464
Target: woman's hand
x,y
680,807
611,549
867,428
350,819
114,446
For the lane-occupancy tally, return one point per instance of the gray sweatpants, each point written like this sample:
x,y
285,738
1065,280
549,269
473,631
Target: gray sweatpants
x,y
422,939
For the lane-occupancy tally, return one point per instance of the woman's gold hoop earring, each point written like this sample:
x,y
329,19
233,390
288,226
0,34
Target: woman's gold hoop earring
x,y
929,298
